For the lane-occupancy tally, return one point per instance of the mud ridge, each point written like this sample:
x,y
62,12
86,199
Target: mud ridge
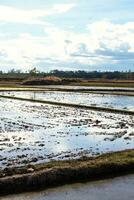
x,y
63,172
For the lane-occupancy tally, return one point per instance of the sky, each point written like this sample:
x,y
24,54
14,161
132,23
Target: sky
x,y
67,35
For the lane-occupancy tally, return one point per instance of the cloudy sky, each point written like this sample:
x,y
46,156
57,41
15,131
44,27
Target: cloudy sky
x,y
67,35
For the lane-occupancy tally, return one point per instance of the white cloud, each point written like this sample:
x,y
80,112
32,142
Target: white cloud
x,y
107,40
11,14
104,43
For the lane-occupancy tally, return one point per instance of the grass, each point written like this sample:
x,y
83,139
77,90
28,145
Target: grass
x,y
121,158
62,172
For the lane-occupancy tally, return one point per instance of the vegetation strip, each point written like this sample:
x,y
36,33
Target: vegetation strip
x,y
71,171
23,90
89,89
126,112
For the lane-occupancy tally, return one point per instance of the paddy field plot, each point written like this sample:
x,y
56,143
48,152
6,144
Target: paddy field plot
x,y
88,99
38,133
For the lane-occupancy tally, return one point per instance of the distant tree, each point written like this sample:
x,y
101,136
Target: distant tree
x,y
33,72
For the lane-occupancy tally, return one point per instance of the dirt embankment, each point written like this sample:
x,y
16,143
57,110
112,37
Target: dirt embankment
x,y
50,80
42,176
53,80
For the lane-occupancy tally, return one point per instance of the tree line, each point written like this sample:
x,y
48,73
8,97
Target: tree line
x,y
115,75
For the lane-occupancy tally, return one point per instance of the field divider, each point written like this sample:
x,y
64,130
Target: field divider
x,y
103,109
58,173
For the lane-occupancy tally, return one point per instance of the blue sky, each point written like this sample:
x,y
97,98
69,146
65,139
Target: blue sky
x,y
66,35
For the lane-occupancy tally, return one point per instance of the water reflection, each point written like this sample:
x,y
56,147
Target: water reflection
x,y
102,100
35,133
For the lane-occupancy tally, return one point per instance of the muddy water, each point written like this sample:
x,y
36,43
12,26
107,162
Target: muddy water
x,y
118,189
36,133
107,100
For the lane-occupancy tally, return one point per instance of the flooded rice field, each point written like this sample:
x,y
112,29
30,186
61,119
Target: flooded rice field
x,y
89,99
37,133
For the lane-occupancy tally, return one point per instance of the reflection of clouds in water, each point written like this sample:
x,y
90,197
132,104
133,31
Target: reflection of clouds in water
x,y
61,130
61,146
115,101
